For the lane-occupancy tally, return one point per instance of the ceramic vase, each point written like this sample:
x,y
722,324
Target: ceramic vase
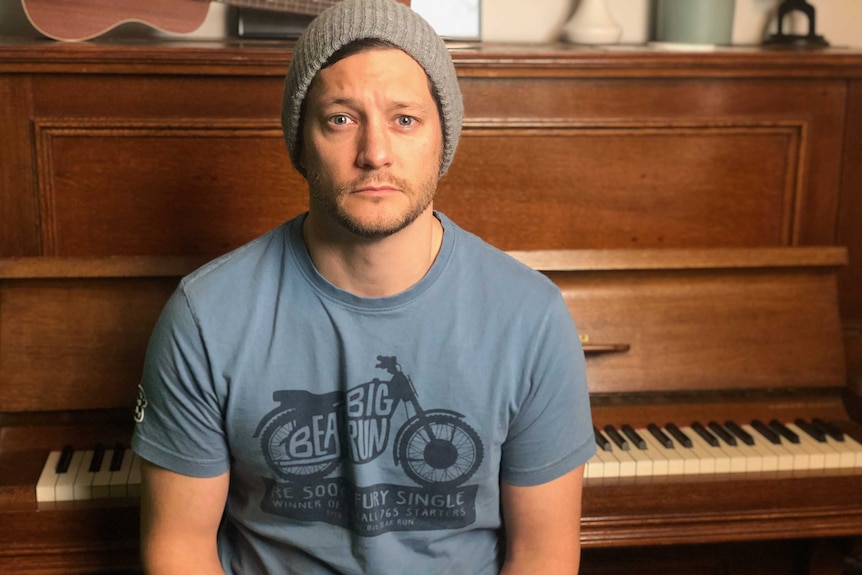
x,y
592,23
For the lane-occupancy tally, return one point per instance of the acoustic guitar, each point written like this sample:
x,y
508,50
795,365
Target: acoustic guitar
x,y
78,20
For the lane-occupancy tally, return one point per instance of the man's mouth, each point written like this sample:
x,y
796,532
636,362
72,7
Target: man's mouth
x,y
375,190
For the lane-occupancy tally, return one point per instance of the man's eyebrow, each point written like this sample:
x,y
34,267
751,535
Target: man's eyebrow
x,y
353,103
337,101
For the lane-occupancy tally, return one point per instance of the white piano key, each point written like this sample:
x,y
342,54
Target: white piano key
x,y
628,466
802,459
606,466
817,452
784,459
64,489
610,468
706,463
767,457
714,456
48,478
847,457
102,479
748,457
676,459
690,457
643,462
855,447
661,461
120,477
82,488
593,469
741,458
822,455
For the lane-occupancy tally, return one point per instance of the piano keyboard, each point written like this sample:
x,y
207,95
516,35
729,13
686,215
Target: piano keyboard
x,y
78,475
717,448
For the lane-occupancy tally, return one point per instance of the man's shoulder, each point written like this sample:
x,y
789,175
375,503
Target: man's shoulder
x,y
492,264
240,266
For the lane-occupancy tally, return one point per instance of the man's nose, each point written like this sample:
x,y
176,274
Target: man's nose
x,y
375,146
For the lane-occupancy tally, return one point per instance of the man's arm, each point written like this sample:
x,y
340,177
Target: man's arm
x,y
543,526
180,517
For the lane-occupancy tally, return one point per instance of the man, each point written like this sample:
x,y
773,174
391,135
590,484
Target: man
x,y
367,388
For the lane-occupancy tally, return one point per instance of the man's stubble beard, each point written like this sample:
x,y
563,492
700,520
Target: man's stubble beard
x,y
326,200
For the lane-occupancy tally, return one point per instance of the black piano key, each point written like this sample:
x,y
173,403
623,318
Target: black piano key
x,y
616,437
117,457
634,436
601,440
721,433
782,430
677,434
98,455
829,429
766,432
811,430
65,459
735,429
706,435
660,435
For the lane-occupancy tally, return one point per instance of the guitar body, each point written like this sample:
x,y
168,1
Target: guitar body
x,y
77,20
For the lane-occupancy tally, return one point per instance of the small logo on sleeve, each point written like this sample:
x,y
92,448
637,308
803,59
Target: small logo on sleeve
x,y
141,405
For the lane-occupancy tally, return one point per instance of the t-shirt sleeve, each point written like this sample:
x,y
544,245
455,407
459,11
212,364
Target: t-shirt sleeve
x,y
552,433
179,423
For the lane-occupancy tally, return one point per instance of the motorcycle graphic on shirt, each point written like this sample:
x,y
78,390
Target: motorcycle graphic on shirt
x,y
308,435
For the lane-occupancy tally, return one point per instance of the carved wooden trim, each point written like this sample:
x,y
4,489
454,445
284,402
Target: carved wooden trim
x,y
795,131
46,130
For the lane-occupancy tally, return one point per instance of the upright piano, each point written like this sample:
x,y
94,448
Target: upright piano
x,y
694,209
673,338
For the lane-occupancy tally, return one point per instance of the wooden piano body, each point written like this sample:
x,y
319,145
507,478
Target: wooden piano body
x,y
673,335
689,209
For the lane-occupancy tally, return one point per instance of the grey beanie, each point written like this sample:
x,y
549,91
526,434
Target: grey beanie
x,y
385,20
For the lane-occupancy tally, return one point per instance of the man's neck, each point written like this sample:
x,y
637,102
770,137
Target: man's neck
x,y
374,268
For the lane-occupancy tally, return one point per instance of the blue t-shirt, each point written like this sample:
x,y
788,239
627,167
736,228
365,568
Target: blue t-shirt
x,y
364,435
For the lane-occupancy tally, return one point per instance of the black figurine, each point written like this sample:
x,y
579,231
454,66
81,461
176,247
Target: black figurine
x,y
812,39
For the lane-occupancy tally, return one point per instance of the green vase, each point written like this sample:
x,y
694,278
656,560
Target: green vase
x,y
695,21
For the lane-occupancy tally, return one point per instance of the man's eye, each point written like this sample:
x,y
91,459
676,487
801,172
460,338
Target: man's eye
x,y
406,120
340,120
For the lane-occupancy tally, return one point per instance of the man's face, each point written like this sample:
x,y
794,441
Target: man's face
x,y
372,142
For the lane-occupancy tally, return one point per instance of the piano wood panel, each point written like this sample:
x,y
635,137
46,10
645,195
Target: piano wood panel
x,y
71,344
511,87
177,190
850,234
673,166
713,331
659,187
17,175
60,543
760,558
667,102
